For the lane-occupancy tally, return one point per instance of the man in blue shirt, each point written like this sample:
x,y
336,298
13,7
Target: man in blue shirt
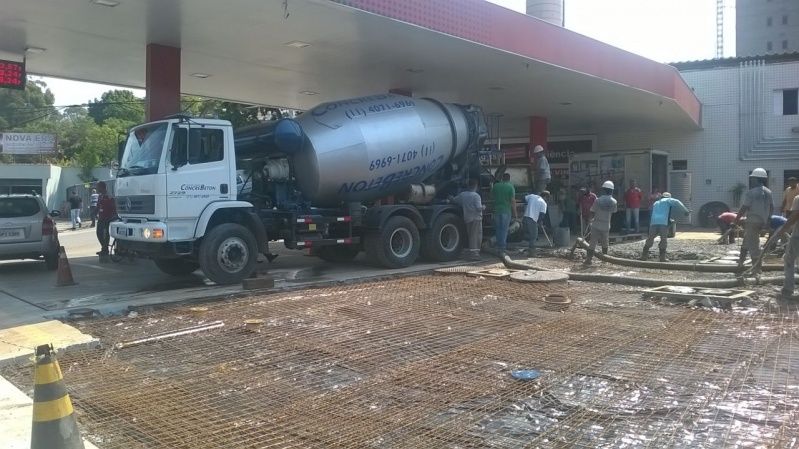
x,y
659,223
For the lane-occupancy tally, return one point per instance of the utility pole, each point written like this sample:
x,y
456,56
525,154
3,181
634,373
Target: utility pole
x,y
719,29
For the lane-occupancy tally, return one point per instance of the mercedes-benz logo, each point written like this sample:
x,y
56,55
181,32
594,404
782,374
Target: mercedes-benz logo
x,y
126,206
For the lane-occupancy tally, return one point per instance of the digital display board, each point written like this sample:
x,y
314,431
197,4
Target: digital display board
x,y
12,74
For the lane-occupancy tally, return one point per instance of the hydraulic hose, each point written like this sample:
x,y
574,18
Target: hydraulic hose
x,y
679,266
641,282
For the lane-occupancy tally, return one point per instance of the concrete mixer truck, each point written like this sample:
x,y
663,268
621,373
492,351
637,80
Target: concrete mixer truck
x,y
365,174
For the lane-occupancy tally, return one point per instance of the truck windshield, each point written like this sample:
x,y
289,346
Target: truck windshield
x,y
143,149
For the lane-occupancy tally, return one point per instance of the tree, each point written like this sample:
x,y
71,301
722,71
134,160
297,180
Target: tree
x,y
118,104
98,149
20,108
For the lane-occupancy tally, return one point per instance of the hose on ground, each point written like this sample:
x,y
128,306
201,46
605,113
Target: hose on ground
x,y
638,281
679,266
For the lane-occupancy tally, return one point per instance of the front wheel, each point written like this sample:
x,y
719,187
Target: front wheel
x,y
228,253
176,267
395,245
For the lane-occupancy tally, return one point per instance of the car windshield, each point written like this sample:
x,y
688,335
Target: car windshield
x,y
18,207
143,150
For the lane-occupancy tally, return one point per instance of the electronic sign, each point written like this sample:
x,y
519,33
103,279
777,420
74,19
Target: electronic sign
x,y
12,74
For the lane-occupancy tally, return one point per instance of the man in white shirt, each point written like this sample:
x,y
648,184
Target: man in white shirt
x,y
536,207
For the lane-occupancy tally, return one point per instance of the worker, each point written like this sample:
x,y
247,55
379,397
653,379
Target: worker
x,y
106,213
585,201
75,205
473,207
601,212
93,206
504,195
725,222
787,197
654,196
536,207
543,176
632,204
659,223
757,208
791,250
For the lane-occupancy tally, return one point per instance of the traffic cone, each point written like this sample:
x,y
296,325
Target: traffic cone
x,y
64,272
54,424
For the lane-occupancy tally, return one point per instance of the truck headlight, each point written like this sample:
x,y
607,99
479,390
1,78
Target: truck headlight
x,y
145,233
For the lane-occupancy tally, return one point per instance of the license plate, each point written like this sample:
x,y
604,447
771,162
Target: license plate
x,y
11,234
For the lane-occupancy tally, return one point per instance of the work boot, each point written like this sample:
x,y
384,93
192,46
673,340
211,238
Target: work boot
x,y
662,255
589,257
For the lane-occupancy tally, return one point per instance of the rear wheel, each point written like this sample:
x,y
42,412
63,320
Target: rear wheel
x,y
395,245
228,253
176,267
444,240
344,253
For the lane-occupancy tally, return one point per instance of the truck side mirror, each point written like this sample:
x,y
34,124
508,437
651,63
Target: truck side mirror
x,y
179,153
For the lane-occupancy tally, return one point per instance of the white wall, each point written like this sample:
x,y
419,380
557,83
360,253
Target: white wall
x,y
55,180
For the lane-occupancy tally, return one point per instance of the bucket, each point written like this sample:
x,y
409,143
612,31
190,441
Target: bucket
x,y
562,237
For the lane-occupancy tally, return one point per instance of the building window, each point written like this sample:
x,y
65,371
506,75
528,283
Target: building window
x,y
679,164
769,47
784,45
785,20
786,102
768,21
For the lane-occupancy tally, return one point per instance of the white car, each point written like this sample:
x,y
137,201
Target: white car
x,y
27,230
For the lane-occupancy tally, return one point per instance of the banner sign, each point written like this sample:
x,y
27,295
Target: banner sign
x,y
27,143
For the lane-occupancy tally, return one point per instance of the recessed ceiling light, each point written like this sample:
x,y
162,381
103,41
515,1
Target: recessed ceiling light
x,y
297,44
414,70
200,75
496,88
308,92
35,50
109,3
565,103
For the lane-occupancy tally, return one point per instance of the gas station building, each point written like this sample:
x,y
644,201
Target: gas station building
x,y
537,82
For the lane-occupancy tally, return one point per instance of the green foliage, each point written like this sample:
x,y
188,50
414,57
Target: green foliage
x,y
20,108
98,149
117,104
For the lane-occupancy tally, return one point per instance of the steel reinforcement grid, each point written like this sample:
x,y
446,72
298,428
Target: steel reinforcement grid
x,y
426,362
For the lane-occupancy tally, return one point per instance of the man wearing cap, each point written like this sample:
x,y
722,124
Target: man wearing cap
x,y
542,174
601,212
757,208
787,198
659,223
536,207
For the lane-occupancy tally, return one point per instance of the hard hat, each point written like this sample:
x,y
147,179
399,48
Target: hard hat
x,y
538,149
608,185
759,173
666,195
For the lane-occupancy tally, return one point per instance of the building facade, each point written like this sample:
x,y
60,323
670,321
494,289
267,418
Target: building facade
x,y
766,27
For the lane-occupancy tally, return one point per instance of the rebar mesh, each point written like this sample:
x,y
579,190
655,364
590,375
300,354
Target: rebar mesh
x,y
425,362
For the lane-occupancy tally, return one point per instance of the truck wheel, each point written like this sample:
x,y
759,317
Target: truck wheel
x,y
345,253
176,267
228,253
444,240
395,245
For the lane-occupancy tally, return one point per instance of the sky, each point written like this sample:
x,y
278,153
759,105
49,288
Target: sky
x,y
662,30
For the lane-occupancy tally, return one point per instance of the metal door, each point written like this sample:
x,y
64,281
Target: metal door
x,y
680,183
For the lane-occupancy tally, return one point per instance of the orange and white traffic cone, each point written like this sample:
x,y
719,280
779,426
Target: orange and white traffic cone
x,y
64,272
54,423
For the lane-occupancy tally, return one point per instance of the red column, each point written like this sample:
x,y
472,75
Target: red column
x,y
163,81
538,133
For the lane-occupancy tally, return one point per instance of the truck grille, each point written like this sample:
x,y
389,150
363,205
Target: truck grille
x,y
136,204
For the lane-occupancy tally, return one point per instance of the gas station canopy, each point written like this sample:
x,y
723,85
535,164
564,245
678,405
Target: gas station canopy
x,y
298,53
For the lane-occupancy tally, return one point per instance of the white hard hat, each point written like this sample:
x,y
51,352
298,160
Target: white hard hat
x,y
608,185
666,195
538,149
759,173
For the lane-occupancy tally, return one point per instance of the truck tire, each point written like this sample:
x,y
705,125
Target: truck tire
x,y
445,238
176,267
228,253
395,245
343,253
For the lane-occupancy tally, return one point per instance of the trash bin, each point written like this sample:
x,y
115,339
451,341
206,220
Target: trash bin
x,y
562,237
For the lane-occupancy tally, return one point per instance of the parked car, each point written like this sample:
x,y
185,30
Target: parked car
x,y
27,230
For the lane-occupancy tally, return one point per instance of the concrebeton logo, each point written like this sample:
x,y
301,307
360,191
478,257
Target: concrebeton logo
x,y
196,187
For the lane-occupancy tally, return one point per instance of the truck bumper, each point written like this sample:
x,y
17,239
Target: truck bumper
x,y
148,231
153,250
148,239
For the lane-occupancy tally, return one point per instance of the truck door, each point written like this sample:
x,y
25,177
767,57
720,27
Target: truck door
x,y
198,174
